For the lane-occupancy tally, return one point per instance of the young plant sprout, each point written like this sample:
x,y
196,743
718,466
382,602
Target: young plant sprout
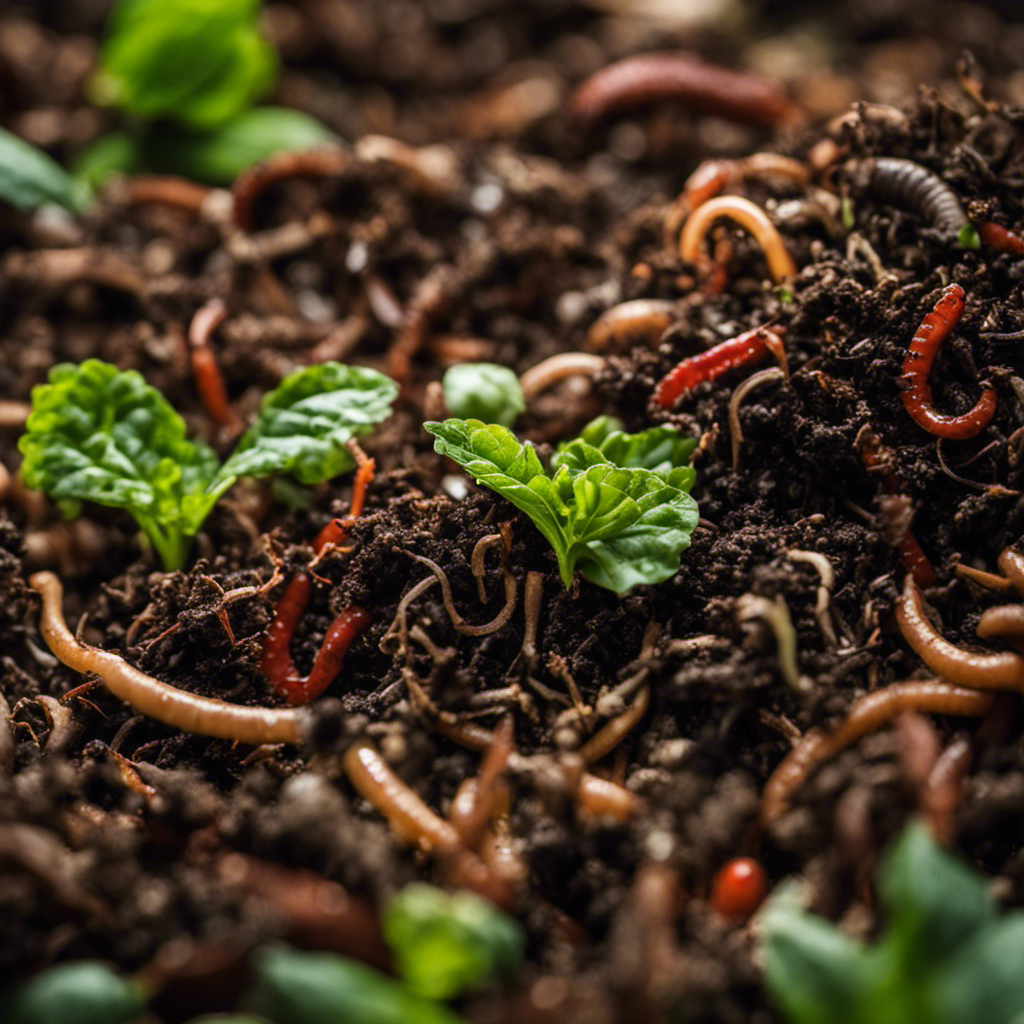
x,y
483,391
916,392
623,526
98,434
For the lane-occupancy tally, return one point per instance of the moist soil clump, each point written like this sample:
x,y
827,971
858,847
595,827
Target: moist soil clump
x,y
177,855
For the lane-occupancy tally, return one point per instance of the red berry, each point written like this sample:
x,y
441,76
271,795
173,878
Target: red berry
x,y
738,888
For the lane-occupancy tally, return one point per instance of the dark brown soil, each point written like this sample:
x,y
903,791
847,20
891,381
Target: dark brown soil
x,y
119,836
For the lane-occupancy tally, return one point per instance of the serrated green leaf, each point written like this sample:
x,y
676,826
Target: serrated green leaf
x,y
933,900
321,988
218,156
98,434
662,450
197,62
815,973
29,178
306,420
621,526
483,391
445,943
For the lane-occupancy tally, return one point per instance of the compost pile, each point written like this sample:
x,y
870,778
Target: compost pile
x,y
501,230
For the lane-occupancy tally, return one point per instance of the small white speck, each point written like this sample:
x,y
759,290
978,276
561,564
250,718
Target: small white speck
x,y
357,257
456,487
486,198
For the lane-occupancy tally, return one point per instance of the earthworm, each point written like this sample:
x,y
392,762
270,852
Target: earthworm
x,y
276,662
914,388
753,381
638,319
477,799
749,216
251,184
712,176
567,364
400,625
1002,671
433,171
647,78
189,712
988,580
166,190
611,735
746,348
1012,564
1003,622
426,302
910,186
412,820
458,622
943,787
209,380
864,716
1001,239
62,725
917,749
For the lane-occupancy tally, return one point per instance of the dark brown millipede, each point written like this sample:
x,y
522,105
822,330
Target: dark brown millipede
x,y
910,186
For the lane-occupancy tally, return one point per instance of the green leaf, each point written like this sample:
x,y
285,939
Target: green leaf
x,y
83,992
218,156
623,527
29,178
321,988
483,391
815,973
662,450
445,942
934,901
969,237
97,434
984,981
197,62
305,421
114,153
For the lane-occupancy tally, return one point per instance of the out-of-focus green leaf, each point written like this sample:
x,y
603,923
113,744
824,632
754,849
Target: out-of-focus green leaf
x,y
29,178
483,391
82,992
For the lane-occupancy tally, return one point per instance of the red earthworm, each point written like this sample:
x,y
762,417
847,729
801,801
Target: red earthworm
x,y
1002,671
638,319
1001,239
325,162
915,390
647,78
908,185
744,349
713,176
749,216
566,364
209,380
189,712
276,662
865,715
738,889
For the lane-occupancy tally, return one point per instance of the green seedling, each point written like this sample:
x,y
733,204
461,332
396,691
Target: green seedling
x,y
83,992
483,391
102,435
186,74
945,957
29,178
621,526
445,943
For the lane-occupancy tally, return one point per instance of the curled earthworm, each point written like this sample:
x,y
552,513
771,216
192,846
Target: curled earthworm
x,y
458,622
567,364
753,381
246,189
914,388
746,348
638,319
749,216
1002,671
910,186
647,78
1003,622
189,712
209,380
865,715
477,564
1001,239
713,176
